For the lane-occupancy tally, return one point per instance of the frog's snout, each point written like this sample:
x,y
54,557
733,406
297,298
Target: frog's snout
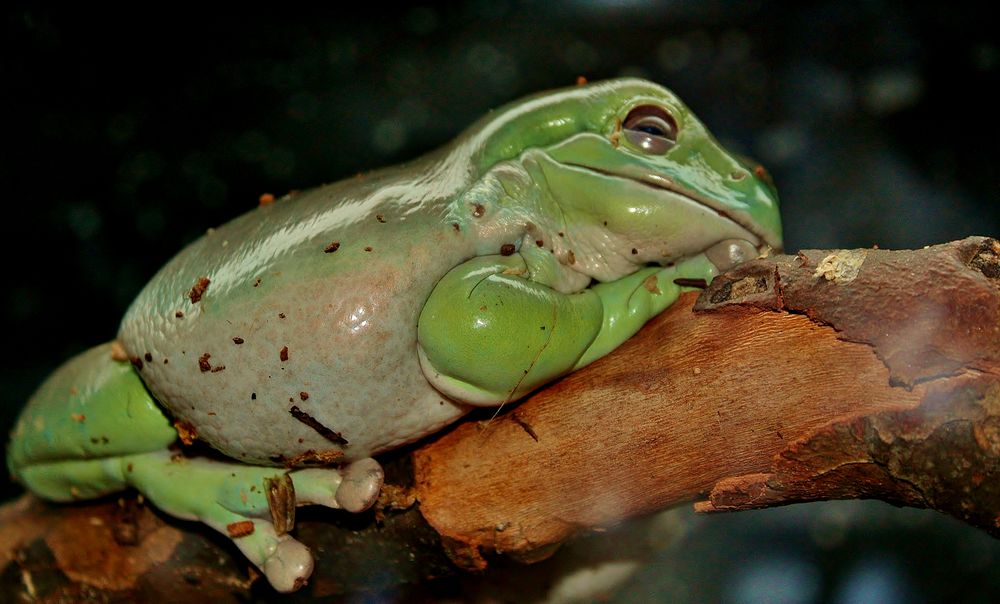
x,y
730,252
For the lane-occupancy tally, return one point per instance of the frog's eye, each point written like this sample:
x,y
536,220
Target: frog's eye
x,y
651,129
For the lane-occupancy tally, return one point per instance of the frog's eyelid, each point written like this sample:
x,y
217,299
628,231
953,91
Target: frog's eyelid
x,y
646,111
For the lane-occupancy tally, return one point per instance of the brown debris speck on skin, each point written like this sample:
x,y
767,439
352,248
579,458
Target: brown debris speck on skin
x,y
455,226
283,353
257,282
333,247
203,363
312,422
313,458
651,285
380,218
539,242
581,80
148,357
368,248
186,432
507,249
179,314
238,340
266,199
304,396
118,352
218,369
199,289
136,362
280,493
478,210
281,315
78,417
239,529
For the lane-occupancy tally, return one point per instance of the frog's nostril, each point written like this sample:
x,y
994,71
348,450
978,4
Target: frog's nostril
x,y
738,176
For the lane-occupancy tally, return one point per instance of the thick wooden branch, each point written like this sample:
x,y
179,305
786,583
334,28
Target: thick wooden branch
x,y
828,374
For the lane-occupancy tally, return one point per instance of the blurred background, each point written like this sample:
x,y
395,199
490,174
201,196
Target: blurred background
x,y
127,134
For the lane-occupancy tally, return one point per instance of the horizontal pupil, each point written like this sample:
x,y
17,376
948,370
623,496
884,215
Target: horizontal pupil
x,y
648,129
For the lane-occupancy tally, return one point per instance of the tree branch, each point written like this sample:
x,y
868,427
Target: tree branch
x,y
828,374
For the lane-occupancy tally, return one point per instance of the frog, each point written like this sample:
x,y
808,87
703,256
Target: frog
x,y
267,364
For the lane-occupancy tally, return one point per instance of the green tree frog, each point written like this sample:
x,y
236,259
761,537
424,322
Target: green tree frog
x,y
314,332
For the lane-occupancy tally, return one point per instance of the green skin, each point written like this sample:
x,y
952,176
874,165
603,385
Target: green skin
x,y
540,240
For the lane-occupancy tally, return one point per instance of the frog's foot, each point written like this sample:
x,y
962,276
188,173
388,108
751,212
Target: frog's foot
x,y
237,499
286,562
353,487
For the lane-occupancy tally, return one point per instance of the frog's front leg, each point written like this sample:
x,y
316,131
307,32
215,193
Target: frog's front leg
x,y
489,334
631,301
92,429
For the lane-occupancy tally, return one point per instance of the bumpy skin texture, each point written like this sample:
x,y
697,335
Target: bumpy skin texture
x,y
288,328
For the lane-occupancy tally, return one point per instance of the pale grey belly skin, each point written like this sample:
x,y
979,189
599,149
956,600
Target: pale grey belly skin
x,y
346,319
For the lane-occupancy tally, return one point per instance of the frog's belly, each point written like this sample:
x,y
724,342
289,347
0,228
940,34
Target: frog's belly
x,y
280,380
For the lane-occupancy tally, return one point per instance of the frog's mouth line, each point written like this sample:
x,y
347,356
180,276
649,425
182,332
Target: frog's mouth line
x,y
665,184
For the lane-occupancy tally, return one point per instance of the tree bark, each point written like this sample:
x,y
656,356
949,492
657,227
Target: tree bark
x,y
827,374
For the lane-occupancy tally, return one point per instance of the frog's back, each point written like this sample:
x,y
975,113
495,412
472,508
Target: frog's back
x,y
290,332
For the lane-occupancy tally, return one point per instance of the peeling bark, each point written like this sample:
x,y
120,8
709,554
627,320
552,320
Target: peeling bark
x,y
827,374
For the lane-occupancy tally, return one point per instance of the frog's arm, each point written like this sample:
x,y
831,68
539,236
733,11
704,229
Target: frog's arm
x,y
489,334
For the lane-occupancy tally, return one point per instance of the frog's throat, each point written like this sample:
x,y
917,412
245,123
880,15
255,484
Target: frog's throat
x,y
656,181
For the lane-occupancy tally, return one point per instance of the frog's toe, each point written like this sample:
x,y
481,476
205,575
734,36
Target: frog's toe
x,y
361,485
289,566
285,562
353,487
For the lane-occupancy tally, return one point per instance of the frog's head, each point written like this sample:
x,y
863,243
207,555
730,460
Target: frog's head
x,y
632,168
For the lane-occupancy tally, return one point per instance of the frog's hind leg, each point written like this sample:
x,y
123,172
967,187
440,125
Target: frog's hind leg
x,y
93,429
235,499
254,505
71,436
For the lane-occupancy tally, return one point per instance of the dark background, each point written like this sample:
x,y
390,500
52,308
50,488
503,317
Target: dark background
x,y
127,134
